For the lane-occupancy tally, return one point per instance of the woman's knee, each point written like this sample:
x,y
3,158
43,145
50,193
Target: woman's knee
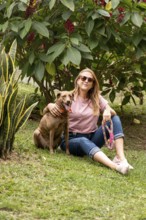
x,y
116,118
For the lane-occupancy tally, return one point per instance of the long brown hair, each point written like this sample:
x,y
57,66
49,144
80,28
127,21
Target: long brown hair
x,y
93,93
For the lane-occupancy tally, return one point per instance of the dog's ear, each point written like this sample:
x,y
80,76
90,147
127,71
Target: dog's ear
x,y
58,94
72,96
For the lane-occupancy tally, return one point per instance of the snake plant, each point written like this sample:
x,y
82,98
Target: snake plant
x,y
13,115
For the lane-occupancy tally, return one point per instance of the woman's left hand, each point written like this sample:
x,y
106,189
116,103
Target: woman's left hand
x,y
106,115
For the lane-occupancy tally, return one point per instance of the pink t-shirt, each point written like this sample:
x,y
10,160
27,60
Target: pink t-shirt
x,y
81,119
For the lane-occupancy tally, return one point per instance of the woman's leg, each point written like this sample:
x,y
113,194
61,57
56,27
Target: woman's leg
x,y
119,145
119,142
102,158
80,146
98,139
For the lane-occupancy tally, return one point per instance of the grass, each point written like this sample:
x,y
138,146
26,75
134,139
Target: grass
x,y
35,185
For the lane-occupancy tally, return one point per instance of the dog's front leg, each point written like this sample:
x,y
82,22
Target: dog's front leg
x,y
66,134
51,141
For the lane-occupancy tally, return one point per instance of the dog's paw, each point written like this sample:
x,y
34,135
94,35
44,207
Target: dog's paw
x,y
67,152
51,152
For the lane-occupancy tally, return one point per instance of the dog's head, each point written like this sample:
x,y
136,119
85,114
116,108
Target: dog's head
x,y
66,98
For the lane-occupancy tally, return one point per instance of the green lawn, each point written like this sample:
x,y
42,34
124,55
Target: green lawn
x,y
35,185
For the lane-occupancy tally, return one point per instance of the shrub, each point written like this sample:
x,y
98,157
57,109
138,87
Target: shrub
x,y
12,114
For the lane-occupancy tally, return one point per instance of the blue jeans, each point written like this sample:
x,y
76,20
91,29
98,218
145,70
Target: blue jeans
x,y
89,144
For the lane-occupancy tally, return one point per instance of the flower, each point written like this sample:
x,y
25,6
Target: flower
x,y
30,37
121,9
69,26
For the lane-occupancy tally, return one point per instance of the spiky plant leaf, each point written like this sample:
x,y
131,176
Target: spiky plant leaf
x,y
4,65
2,86
18,112
12,51
11,109
25,116
6,128
1,104
9,114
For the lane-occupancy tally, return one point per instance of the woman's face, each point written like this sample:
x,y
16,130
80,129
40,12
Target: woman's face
x,y
85,81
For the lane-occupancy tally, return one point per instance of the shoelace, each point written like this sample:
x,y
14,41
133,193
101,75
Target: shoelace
x,y
109,142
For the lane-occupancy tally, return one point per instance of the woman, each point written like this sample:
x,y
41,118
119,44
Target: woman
x,y
85,138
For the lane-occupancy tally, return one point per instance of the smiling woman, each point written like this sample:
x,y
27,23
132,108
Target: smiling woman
x,y
85,137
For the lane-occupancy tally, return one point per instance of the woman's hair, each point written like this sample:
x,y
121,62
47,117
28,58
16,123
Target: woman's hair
x,y
93,93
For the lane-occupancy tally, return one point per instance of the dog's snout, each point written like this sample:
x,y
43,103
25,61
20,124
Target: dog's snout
x,y
68,102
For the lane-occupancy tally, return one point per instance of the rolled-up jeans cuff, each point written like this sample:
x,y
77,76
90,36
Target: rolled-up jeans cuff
x,y
93,151
120,135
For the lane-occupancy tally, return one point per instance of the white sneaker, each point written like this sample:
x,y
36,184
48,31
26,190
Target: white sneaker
x,y
123,169
124,162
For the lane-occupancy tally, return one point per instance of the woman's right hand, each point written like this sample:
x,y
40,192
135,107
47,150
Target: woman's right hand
x,y
54,109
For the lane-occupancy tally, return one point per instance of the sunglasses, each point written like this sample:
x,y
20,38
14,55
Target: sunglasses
x,y
84,78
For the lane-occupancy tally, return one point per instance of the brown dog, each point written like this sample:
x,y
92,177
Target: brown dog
x,y
48,134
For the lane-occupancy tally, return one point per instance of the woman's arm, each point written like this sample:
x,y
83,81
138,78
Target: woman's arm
x,y
53,109
107,113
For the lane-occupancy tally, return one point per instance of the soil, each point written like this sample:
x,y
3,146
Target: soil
x,y
135,134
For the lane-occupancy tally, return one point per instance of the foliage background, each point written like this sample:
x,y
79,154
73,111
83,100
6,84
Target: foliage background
x,y
57,38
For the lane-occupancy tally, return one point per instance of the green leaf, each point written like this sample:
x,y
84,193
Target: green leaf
x,y
10,9
136,39
84,48
31,58
5,26
87,56
126,18
13,50
52,3
23,33
103,12
142,5
51,69
139,53
65,60
112,95
14,27
74,40
55,47
66,15
101,31
136,19
39,71
115,3
41,28
44,57
28,24
126,100
92,44
69,4
59,49
22,6
89,27
106,91
95,16
74,55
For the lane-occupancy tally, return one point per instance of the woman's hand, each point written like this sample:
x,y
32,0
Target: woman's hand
x,y
108,112
54,109
106,115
